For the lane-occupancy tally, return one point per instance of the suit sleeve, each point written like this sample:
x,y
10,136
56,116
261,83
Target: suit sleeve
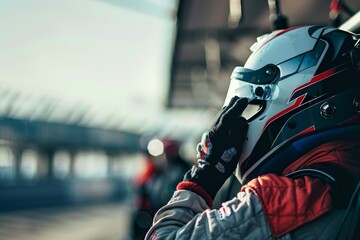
x,y
187,216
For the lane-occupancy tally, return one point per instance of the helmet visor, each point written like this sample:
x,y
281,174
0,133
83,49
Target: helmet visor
x,y
241,86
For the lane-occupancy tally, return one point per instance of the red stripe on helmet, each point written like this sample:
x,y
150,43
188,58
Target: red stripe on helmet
x,y
286,110
309,129
317,78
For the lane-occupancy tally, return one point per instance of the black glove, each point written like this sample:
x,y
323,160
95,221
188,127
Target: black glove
x,y
220,148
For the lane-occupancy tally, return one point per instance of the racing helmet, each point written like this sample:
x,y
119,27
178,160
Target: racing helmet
x,y
297,81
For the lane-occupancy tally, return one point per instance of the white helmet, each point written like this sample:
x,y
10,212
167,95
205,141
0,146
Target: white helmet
x,y
297,80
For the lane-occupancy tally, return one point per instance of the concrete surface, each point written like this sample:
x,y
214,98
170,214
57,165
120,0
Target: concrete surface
x,y
97,222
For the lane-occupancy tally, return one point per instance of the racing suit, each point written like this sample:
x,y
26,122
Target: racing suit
x,y
268,207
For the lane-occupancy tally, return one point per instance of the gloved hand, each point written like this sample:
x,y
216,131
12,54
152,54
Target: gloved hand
x,y
220,148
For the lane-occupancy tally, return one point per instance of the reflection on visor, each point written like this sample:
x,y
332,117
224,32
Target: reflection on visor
x,y
251,91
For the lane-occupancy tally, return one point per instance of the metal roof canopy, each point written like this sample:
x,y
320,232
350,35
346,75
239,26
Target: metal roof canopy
x,y
56,135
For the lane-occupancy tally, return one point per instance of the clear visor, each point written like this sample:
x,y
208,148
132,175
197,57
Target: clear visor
x,y
252,92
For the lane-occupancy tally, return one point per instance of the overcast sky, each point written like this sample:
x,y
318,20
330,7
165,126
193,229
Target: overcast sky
x,y
106,54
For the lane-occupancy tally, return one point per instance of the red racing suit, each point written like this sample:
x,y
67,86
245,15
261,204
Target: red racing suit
x,y
268,207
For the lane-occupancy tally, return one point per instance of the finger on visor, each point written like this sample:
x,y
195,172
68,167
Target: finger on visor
x,y
233,112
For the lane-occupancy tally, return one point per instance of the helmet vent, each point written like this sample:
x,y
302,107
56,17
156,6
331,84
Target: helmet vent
x,y
328,110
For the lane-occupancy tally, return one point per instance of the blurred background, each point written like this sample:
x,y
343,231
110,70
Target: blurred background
x,y
102,102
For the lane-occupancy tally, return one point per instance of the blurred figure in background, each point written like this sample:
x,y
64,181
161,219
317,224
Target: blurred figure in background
x,y
154,187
